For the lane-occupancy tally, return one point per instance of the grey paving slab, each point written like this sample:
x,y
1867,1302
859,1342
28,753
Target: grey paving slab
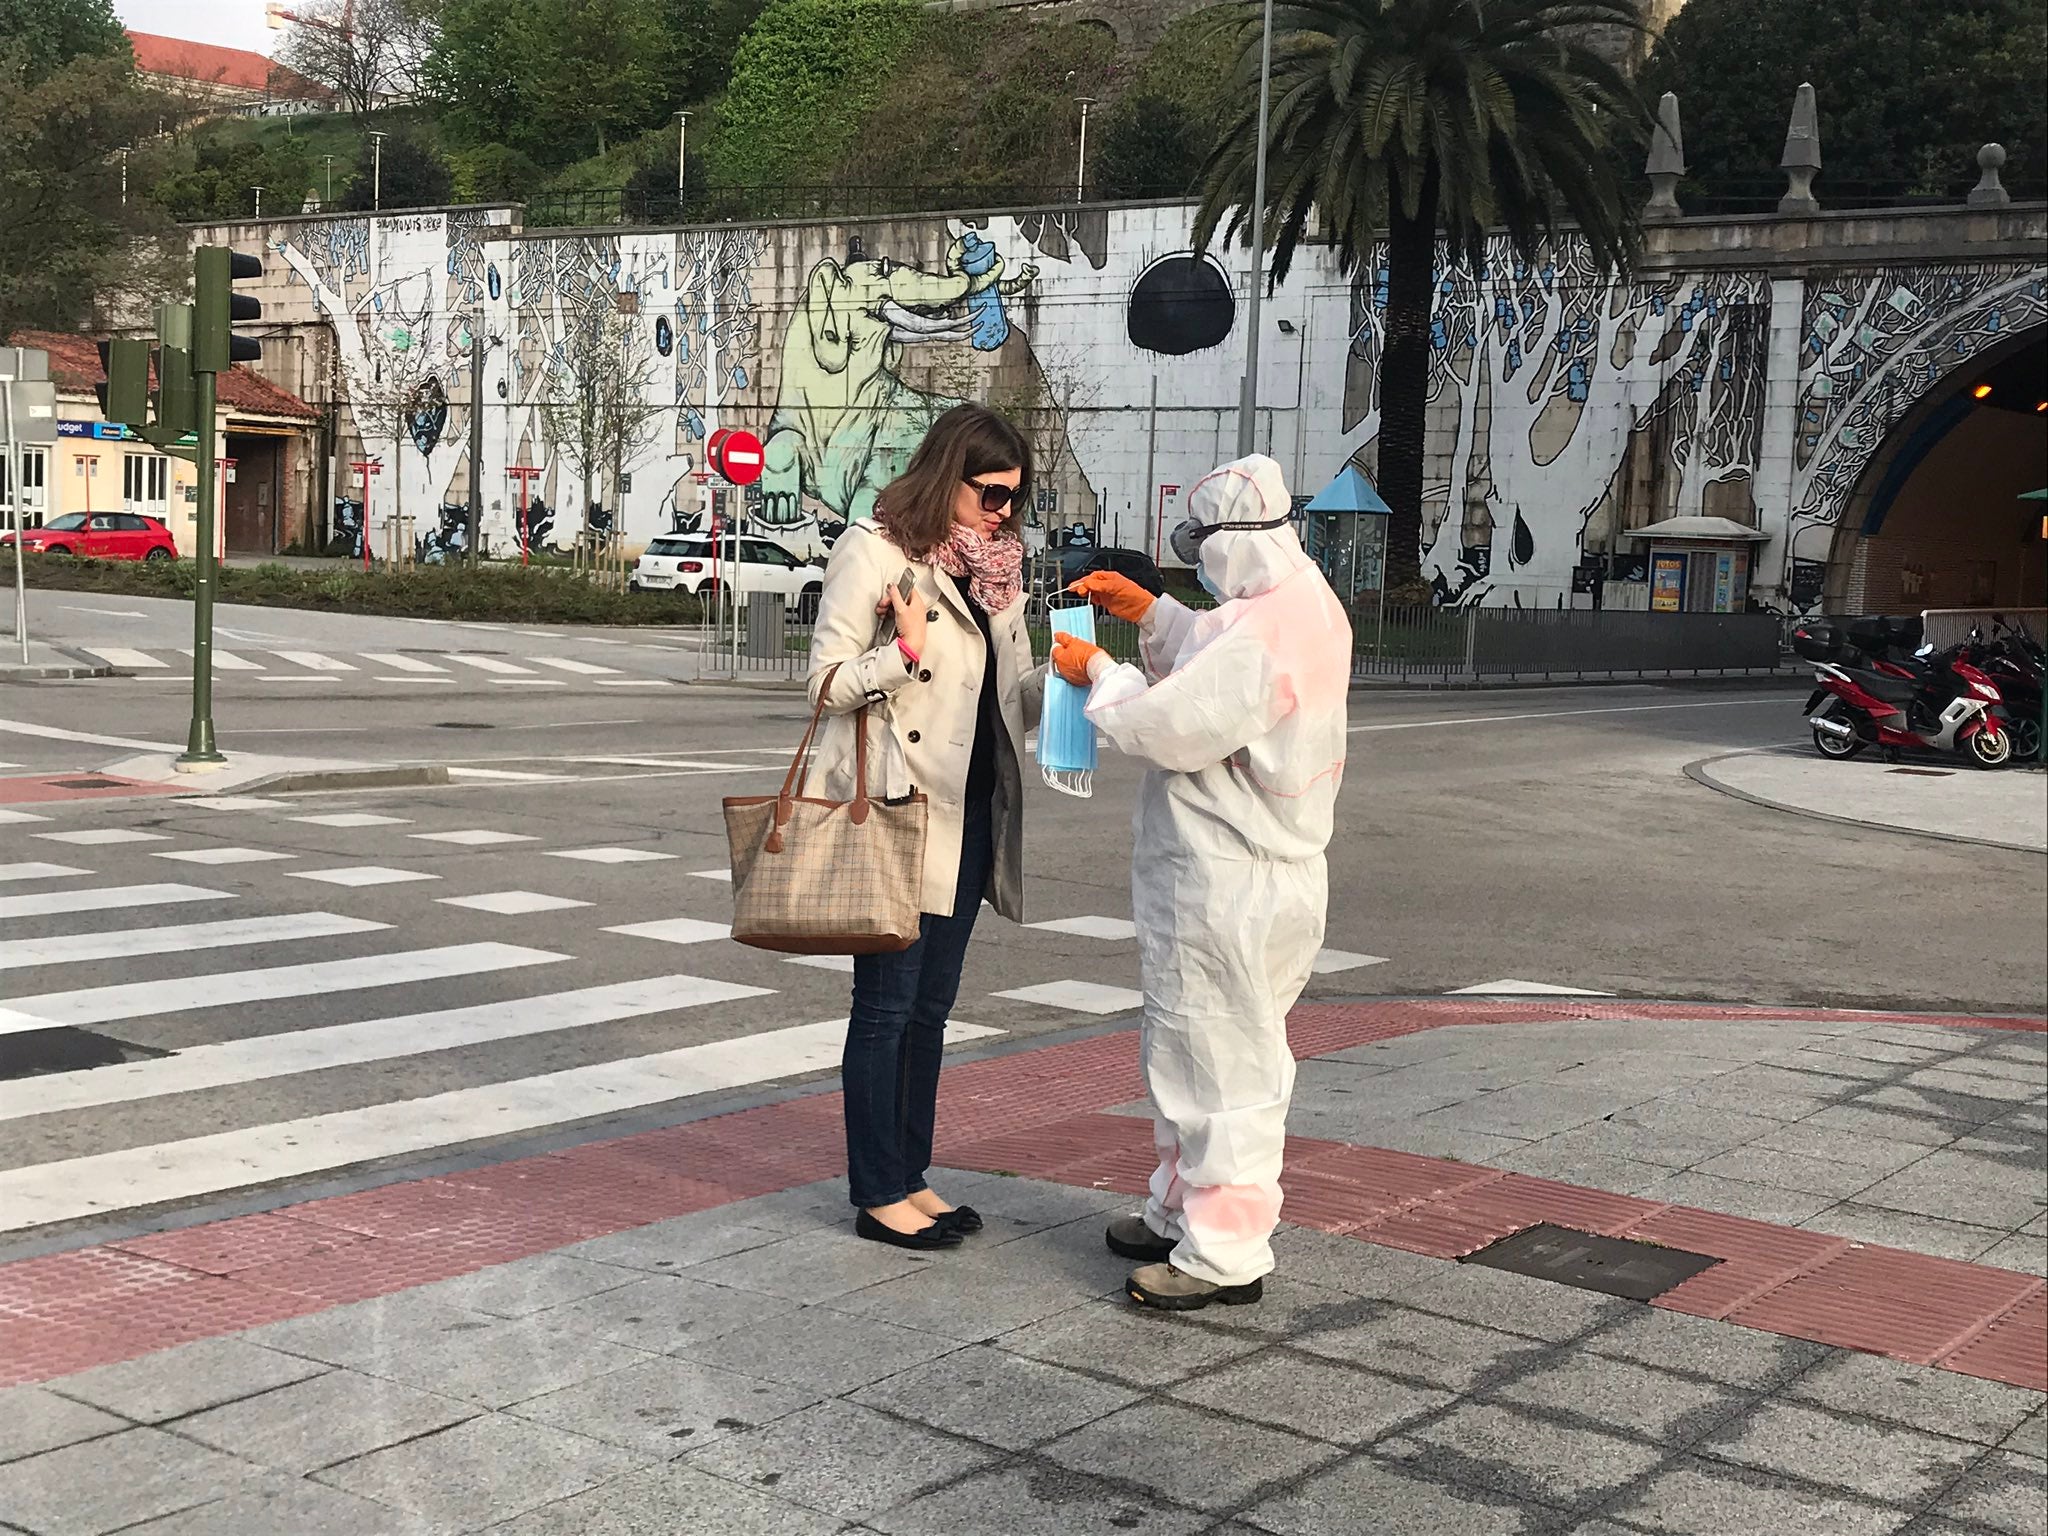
x,y
1736,1197
1531,1110
1035,1500
1876,1048
1494,1298
1014,1208
103,1485
806,1208
2002,1491
670,1500
1685,1122
364,1333
667,1246
812,1266
1522,1455
989,1394
973,1302
1842,1064
665,1313
1968,1110
483,1470
1347,1264
1810,1140
1624,1395
1918,1396
1958,1186
171,1382
1457,1143
1699,1346
507,1362
1343,1404
664,1408
2031,1438
821,1351
526,1286
1973,1088
1366,1496
842,1459
329,1418
1791,1170
1703,1498
33,1420
1072,1257
1589,1170
1879,1461
1290,1307
292,1508
1206,1460
1903,1229
1118,1340
1888,1124
1438,1351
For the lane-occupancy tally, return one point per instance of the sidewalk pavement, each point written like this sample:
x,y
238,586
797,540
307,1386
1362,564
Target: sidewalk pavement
x,y
673,1331
2004,808
46,662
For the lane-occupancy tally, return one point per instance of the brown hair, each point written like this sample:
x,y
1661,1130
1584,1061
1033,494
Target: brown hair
x,y
969,441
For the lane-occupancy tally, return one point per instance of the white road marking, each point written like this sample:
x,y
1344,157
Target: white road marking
x,y
1090,927
567,664
228,661
260,1057
676,930
1513,988
1777,700
314,661
38,872
225,855
681,766
108,898
298,677
121,656
506,775
473,837
712,874
17,818
399,662
238,803
226,989
511,903
204,1165
528,682
105,613
609,855
96,837
1330,961
353,819
361,875
490,664
634,682
1079,997
68,949
58,733
448,680
842,963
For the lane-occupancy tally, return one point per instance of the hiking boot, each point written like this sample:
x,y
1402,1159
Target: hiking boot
x,y
1129,1238
1172,1290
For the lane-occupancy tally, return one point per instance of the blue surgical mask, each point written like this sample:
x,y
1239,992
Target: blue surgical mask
x,y
1202,576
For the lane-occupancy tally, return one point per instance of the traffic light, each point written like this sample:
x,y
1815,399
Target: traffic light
x,y
217,309
174,412
124,393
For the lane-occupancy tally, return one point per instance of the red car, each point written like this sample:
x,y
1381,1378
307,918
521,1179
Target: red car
x,y
100,536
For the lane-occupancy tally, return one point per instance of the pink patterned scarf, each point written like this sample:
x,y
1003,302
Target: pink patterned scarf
x,y
992,568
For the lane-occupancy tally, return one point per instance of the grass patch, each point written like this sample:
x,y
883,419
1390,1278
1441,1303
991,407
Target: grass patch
x,y
509,594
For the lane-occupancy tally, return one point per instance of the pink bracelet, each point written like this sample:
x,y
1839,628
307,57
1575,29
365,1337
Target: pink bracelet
x,y
907,651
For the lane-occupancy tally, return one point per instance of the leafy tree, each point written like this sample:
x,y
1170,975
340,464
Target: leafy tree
x,y
702,37
492,173
1908,90
226,167
51,33
413,176
1151,147
1404,121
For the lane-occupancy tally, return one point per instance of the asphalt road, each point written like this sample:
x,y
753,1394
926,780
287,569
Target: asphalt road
x,y
476,989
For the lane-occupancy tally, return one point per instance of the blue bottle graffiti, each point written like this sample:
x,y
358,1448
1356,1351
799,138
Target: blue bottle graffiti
x,y
991,327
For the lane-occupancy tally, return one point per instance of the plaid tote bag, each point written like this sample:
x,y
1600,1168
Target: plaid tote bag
x,y
826,877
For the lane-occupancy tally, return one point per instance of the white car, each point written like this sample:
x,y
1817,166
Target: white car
x,y
687,563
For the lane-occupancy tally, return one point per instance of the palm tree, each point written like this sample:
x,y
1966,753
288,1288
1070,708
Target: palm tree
x,y
1410,120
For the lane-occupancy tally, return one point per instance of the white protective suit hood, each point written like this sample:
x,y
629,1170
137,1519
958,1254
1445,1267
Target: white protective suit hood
x,y
1241,563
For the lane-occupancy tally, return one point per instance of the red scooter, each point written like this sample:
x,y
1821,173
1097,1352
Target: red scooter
x,y
1942,704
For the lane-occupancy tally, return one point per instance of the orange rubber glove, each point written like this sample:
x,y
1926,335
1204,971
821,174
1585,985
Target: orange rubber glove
x,y
1071,657
1115,595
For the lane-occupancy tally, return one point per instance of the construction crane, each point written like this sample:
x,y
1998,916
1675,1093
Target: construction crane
x,y
277,15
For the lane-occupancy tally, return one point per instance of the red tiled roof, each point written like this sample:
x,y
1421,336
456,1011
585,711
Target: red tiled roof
x,y
210,64
75,369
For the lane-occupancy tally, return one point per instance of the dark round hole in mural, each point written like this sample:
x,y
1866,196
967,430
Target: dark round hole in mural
x,y
1181,304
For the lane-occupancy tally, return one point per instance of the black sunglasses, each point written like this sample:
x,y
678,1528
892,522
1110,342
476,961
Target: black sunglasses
x,y
994,498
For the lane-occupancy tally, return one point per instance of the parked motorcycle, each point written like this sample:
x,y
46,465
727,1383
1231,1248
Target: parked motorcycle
x,y
2014,660
1867,695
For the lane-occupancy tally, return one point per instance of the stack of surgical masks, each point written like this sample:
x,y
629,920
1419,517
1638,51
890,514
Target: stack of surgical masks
x,y
1066,736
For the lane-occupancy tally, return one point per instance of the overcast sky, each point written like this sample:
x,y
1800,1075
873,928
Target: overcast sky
x,y
235,23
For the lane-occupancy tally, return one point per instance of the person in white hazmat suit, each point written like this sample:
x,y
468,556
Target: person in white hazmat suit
x,y
1239,716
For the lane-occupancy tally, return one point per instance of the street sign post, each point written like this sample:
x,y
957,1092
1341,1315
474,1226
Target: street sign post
x,y
525,474
737,455
28,417
366,468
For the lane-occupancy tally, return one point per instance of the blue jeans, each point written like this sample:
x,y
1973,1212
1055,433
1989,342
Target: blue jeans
x,y
896,1037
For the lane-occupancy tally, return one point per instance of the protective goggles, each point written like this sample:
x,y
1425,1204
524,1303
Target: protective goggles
x,y
1188,535
994,498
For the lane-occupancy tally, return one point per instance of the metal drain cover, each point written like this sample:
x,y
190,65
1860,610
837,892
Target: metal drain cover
x,y
85,784
1614,1266
61,1048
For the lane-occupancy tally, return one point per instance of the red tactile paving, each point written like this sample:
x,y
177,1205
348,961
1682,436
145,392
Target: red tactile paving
x,y
47,788
1036,1113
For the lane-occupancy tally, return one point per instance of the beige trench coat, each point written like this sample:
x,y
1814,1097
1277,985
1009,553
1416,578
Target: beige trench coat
x,y
922,719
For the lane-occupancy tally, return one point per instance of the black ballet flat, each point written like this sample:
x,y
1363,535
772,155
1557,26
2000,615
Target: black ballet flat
x,y
924,1240
964,1219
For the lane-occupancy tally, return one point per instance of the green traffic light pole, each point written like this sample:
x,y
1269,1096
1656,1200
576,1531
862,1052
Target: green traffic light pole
x,y
201,752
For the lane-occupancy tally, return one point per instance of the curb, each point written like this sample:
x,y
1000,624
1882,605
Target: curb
x,y
1534,680
313,781
1697,772
83,666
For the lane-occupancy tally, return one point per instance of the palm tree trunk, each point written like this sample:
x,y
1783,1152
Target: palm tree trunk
x,y
1404,380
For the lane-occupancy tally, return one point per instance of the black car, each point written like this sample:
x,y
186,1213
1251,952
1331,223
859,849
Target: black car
x,y
1133,564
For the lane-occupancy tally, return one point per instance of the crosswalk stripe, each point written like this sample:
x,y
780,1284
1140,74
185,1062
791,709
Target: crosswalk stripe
x,y
228,661
38,872
205,1165
399,663
104,899
490,664
343,1045
13,818
121,656
506,775
68,949
225,989
569,664
314,661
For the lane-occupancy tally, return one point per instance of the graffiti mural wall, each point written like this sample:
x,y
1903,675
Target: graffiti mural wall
x,y
1566,410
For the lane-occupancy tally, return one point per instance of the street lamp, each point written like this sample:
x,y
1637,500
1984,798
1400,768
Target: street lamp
x,y
1081,171
259,201
682,159
126,151
1248,399
376,168
327,206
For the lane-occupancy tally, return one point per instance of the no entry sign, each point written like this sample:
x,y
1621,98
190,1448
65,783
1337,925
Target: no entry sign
x,y
736,455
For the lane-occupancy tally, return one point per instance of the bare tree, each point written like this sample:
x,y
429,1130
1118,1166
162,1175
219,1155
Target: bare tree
x,y
362,50
601,400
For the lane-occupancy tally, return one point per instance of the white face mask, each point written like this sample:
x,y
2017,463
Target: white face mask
x,y
1208,586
